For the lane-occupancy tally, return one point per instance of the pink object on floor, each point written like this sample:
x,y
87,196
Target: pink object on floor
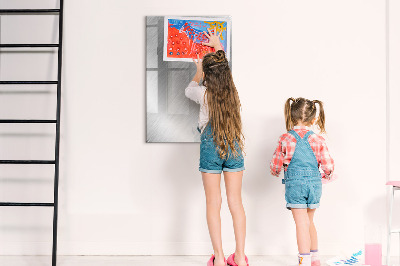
x,y
211,260
316,263
326,181
393,183
231,260
373,254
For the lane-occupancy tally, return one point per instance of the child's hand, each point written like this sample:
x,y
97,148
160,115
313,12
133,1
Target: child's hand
x,y
326,180
213,39
199,67
273,173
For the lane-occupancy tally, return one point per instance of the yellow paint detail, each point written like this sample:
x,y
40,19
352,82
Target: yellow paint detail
x,y
219,26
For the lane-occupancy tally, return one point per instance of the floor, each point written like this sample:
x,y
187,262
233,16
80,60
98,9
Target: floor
x,y
135,260
143,260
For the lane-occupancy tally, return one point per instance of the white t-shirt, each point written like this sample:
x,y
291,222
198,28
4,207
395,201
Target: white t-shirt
x,y
196,93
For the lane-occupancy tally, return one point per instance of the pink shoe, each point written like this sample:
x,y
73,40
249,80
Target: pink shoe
x,y
211,261
231,260
316,263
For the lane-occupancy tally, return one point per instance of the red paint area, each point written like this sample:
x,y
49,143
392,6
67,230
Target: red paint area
x,y
181,46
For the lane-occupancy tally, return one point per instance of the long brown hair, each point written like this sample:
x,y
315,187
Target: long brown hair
x,y
223,104
303,110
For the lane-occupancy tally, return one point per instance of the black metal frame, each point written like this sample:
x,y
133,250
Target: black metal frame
x,y
56,160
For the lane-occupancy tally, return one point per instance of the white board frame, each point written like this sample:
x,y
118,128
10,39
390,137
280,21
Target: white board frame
x,y
227,19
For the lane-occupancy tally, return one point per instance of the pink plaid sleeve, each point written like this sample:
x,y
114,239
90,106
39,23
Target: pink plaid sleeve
x,y
278,157
325,160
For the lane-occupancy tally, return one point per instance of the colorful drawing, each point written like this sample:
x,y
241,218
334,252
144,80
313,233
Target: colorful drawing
x,y
183,37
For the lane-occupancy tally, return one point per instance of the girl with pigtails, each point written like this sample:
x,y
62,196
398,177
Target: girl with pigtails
x,y
302,154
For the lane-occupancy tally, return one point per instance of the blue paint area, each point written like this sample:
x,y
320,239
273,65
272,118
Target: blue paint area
x,y
197,27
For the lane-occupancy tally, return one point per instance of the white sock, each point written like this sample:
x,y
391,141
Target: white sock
x,y
305,260
314,255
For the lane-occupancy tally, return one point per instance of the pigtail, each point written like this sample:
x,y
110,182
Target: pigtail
x,y
321,116
288,114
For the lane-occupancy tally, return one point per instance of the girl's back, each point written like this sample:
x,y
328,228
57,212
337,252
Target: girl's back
x,y
301,153
287,146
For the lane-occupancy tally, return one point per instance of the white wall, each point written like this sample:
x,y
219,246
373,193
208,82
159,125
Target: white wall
x,y
120,195
394,110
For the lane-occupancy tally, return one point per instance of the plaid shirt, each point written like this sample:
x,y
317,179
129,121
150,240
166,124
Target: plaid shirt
x,y
287,144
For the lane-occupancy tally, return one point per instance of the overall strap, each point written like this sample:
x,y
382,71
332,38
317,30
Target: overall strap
x,y
294,133
303,164
308,134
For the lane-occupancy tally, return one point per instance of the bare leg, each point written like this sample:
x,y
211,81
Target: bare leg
x,y
212,188
313,230
233,183
302,221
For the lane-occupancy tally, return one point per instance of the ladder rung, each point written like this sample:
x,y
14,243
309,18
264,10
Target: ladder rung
x,y
20,45
26,121
29,82
395,231
27,161
38,204
28,11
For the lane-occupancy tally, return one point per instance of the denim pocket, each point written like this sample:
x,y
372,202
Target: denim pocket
x,y
317,190
293,190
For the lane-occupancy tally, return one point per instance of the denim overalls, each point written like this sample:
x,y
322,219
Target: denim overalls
x,y
211,162
302,181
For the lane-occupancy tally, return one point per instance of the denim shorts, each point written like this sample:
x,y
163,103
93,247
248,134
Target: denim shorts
x,y
303,193
210,160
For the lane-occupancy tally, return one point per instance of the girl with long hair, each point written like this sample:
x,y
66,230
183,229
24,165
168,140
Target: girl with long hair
x,y
221,147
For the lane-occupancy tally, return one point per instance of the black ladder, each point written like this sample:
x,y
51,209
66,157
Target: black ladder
x,y
57,82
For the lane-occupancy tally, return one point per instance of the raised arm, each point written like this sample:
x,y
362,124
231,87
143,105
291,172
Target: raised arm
x,y
199,71
194,91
